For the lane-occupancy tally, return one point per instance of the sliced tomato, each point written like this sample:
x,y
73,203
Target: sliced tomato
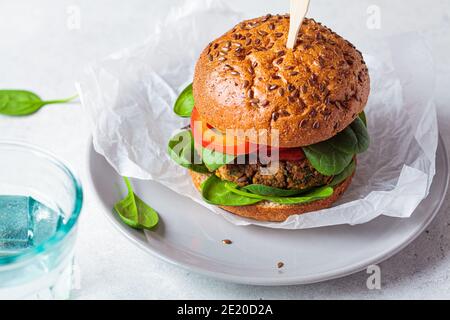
x,y
210,138
285,154
291,154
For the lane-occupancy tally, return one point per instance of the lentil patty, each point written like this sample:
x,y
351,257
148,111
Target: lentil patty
x,y
290,175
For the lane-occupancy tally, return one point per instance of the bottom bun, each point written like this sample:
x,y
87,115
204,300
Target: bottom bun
x,y
274,212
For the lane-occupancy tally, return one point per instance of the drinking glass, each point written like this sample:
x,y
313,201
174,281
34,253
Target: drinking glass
x,y
40,203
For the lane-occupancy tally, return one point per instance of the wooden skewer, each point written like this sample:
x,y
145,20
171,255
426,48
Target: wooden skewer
x,y
298,11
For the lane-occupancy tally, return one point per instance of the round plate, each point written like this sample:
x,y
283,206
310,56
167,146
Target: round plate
x,y
190,236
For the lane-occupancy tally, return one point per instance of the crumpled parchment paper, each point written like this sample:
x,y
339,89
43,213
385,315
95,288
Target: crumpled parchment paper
x,y
129,97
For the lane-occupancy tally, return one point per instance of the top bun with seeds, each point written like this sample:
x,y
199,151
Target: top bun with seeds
x,y
248,79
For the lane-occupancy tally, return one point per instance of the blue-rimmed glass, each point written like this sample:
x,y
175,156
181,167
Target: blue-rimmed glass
x,y
43,271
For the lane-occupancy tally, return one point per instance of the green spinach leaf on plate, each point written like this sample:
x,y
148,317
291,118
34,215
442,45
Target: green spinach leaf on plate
x,y
134,212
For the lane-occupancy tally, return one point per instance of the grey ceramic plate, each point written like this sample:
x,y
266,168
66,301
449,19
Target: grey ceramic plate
x,y
190,236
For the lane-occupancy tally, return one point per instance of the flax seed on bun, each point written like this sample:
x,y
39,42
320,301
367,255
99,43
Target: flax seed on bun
x,y
247,79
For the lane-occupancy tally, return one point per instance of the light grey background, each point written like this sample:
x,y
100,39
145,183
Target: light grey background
x,y
40,51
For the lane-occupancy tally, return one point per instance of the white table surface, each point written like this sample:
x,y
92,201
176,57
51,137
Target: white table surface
x,y
39,52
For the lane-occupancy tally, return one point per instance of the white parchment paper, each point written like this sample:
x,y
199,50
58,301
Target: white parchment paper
x,y
129,97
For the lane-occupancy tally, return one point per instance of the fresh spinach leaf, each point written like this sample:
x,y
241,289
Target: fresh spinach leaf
x,y
363,117
148,218
185,103
345,141
215,192
338,179
316,194
181,149
134,212
22,103
360,130
332,156
326,159
213,160
236,190
224,193
263,190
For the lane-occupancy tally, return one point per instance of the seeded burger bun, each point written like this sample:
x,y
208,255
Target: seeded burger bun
x,y
248,79
274,212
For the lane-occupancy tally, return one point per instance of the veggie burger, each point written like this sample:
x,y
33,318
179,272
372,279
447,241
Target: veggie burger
x,y
274,132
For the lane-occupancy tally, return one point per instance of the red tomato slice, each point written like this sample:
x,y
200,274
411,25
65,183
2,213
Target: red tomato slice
x,y
291,154
212,139
285,154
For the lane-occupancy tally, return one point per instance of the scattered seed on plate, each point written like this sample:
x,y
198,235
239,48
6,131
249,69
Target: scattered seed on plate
x,y
227,241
